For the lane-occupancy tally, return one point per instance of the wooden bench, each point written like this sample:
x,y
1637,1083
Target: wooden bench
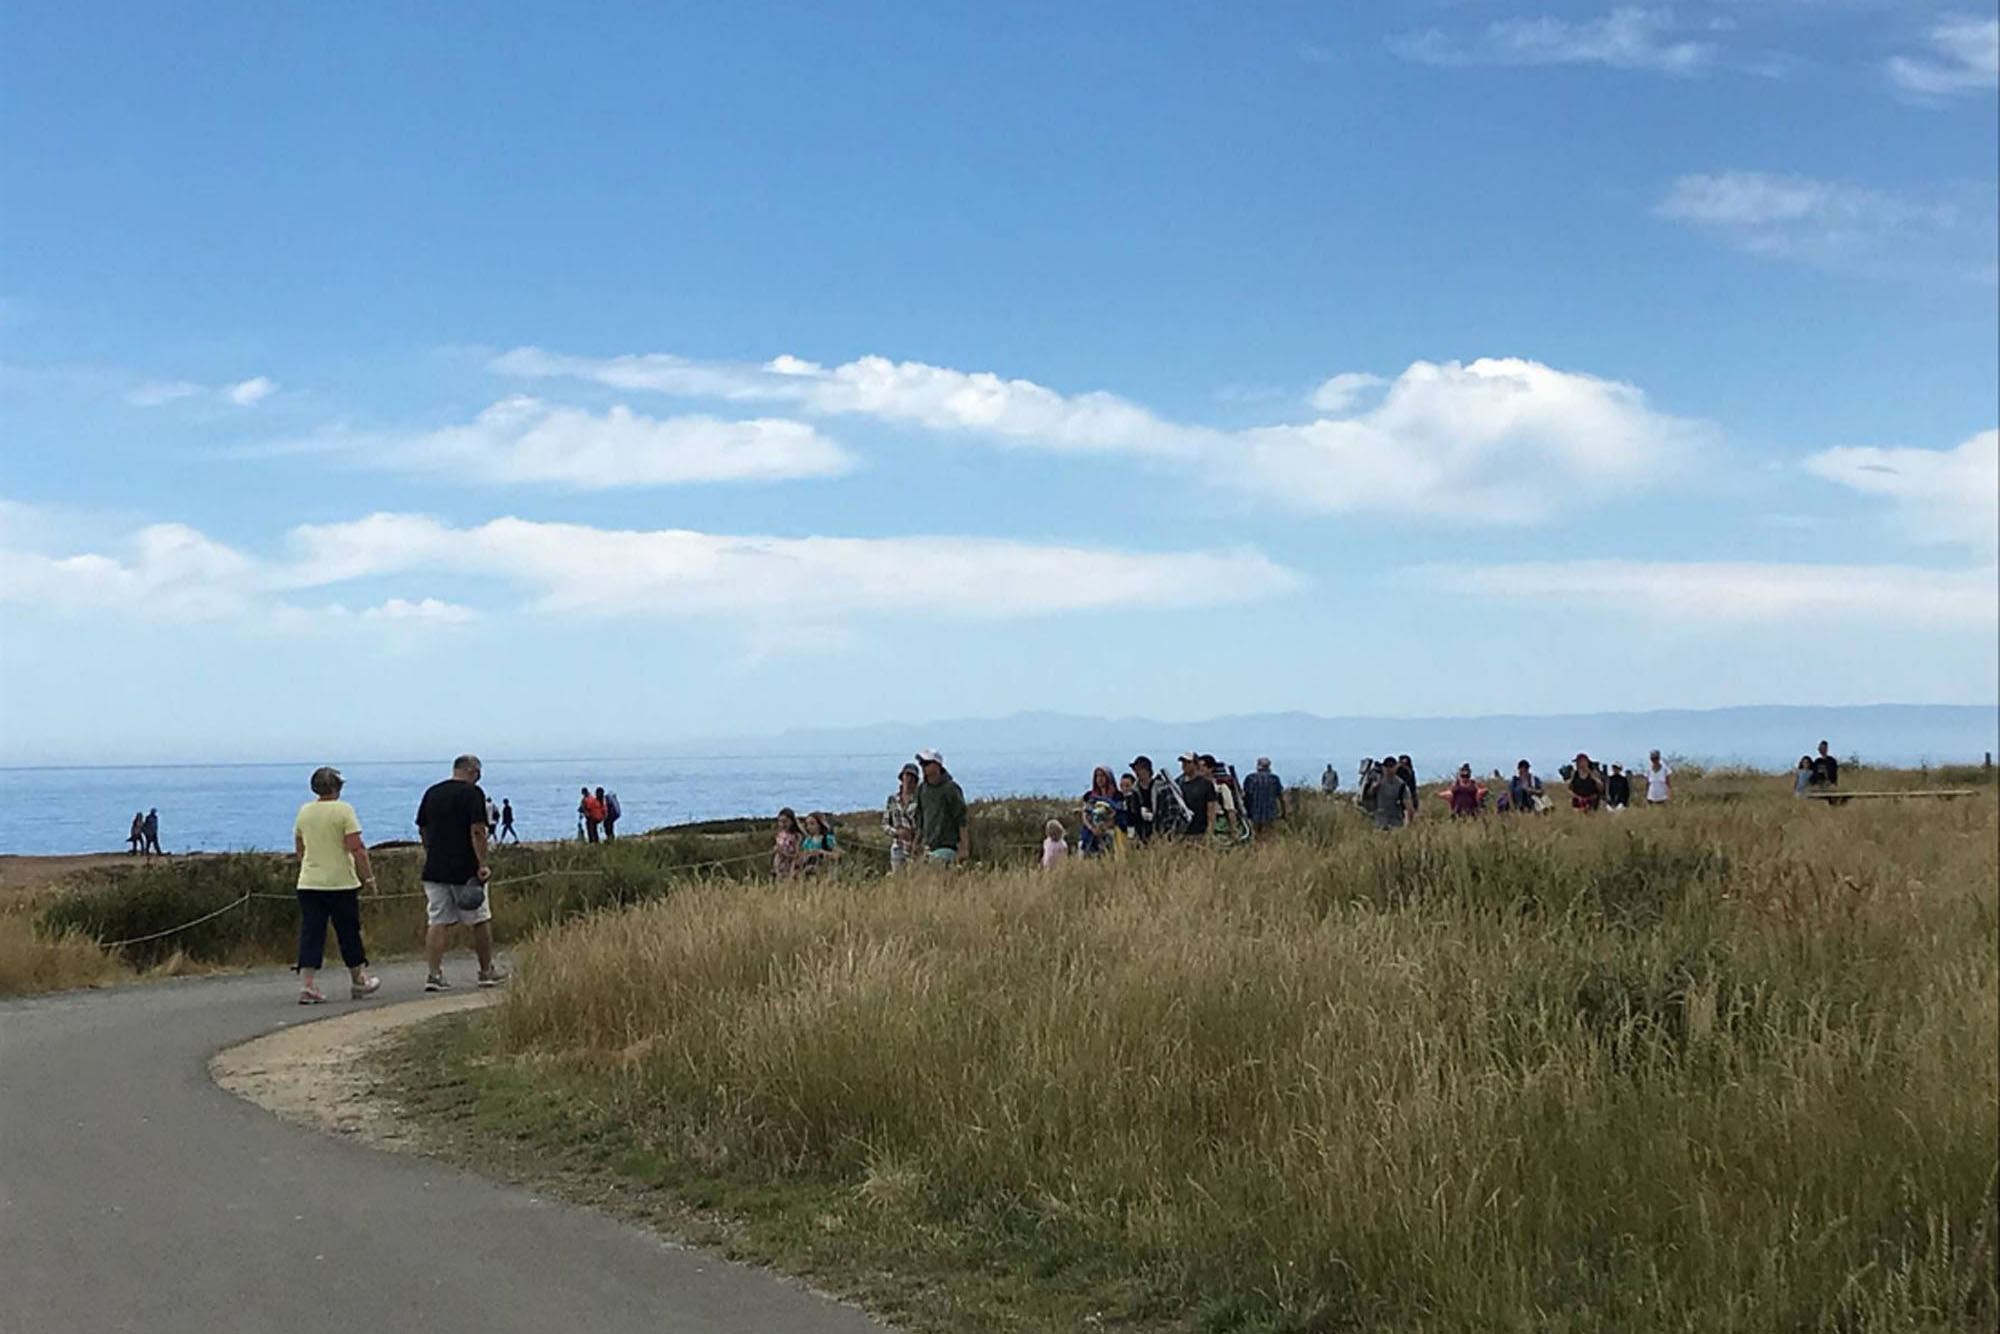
x,y
1839,798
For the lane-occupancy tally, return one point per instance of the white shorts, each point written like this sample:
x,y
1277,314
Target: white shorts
x,y
441,909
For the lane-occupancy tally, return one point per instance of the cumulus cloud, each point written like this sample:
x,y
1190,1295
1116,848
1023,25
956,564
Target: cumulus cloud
x,y
1831,223
522,440
174,571
1940,495
1629,37
1494,440
1705,592
1963,56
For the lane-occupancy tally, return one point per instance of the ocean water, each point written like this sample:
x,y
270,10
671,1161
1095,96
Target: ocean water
x,y
232,807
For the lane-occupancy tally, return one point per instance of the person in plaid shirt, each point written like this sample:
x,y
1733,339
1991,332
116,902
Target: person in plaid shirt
x,y
899,818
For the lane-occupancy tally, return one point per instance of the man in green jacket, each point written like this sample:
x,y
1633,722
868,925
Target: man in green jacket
x,y
941,820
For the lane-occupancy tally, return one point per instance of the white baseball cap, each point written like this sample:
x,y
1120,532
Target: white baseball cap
x,y
929,757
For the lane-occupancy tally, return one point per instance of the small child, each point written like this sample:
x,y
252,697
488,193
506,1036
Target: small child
x,y
785,845
1054,846
819,850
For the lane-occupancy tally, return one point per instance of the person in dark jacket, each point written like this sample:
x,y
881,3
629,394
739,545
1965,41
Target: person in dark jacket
x,y
1618,789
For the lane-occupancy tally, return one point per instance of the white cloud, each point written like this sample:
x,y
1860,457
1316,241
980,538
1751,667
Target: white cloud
x,y
1342,392
396,614
572,568
1495,440
762,583
242,394
899,392
1964,56
165,569
1940,495
157,393
1831,223
249,393
1628,37
1740,591
523,440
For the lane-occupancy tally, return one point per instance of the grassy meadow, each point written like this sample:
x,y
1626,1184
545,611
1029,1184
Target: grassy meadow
x,y
1730,1066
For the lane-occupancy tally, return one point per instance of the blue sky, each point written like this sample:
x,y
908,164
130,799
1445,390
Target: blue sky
x,y
390,379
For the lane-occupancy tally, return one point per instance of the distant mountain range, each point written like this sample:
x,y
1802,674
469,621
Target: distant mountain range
x,y
1764,736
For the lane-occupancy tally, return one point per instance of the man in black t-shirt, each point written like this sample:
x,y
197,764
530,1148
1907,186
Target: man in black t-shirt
x,y
1825,768
1198,791
452,820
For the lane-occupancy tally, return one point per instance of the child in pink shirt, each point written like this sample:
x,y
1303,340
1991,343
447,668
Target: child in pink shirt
x,y
1054,847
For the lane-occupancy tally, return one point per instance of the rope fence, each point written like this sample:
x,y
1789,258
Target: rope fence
x,y
245,898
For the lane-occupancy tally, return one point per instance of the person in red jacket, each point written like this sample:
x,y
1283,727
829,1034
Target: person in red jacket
x,y
592,812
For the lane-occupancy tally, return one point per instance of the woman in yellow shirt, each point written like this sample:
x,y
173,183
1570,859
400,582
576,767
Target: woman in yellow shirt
x,y
333,866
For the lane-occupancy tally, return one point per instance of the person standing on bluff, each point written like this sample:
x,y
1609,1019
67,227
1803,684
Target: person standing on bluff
x,y
452,822
151,830
899,817
942,827
1393,802
1659,781
1263,798
591,812
333,869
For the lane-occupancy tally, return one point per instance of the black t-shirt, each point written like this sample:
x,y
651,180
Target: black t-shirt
x,y
1825,771
1586,786
1199,793
1618,790
447,815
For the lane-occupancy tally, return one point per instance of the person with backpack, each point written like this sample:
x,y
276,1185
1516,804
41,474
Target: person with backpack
x,y
1161,811
607,802
137,838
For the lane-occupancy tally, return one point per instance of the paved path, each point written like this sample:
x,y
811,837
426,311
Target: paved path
x,y
136,1195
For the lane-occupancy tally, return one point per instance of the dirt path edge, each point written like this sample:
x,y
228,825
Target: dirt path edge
x,y
316,1074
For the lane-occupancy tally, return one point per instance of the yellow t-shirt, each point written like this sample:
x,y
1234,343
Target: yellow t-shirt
x,y
323,826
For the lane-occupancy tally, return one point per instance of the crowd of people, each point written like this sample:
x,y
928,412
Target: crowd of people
x,y
926,819
1390,792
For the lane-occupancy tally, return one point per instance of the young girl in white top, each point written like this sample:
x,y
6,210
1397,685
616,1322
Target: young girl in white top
x,y
1054,846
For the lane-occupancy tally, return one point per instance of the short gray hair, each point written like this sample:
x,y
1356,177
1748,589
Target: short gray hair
x,y
465,764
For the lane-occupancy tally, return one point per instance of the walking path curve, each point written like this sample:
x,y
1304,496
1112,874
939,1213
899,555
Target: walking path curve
x,y
137,1195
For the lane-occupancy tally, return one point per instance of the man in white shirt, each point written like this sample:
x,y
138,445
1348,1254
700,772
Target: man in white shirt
x,y
1659,782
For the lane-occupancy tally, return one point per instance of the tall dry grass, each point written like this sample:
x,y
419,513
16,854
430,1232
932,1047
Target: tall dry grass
x,y
1727,1067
